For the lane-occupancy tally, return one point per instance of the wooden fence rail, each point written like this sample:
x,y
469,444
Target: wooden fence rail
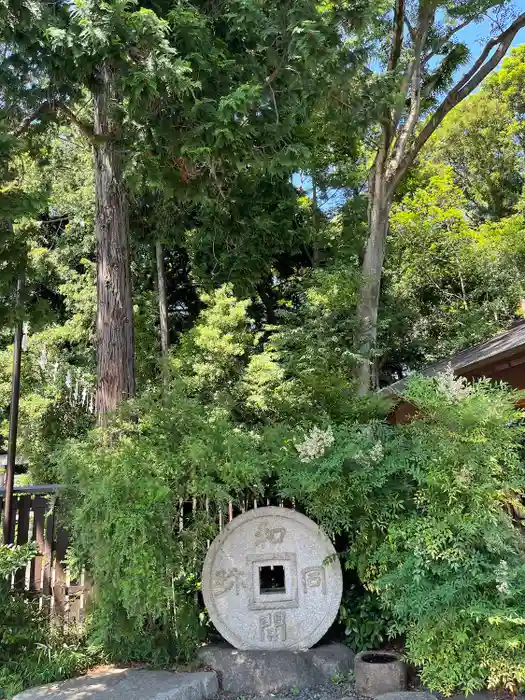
x,y
47,577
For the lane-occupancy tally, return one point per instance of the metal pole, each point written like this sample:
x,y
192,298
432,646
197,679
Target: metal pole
x,y
13,423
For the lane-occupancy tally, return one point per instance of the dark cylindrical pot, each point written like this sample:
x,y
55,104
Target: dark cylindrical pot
x,y
378,672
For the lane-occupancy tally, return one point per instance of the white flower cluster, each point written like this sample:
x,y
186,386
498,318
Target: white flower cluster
x,y
502,577
372,455
315,444
376,453
452,386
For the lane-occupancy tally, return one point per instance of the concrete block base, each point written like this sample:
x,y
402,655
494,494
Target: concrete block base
x,y
129,684
262,672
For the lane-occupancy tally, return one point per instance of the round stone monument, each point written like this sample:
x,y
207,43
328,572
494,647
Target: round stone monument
x,y
271,580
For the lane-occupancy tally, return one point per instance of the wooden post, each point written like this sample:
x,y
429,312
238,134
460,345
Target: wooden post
x,y
13,425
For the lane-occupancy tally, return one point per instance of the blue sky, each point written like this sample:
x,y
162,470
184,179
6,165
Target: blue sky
x,y
475,36
474,31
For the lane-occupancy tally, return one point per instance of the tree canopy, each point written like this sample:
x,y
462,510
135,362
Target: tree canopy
x,y
201,118
234,220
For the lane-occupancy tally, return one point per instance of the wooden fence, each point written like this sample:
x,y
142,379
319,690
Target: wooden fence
x,y
47,577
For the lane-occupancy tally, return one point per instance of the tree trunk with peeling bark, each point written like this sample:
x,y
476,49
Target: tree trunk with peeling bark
x,y
401,141
115,347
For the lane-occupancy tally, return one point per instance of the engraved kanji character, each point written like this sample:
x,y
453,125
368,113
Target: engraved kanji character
x,y
272,627
314,577
224,581
264,534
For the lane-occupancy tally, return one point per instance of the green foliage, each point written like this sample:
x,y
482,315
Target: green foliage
x,y
241,239
451,568
13,557
37,654
126,483
32,651
59,300
19,631
478,142
220,105
297,370
308,363
367,622
506,86
448,284
426,508
211,355
214,111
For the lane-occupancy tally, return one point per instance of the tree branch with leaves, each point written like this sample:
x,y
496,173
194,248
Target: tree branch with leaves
x,y
410,122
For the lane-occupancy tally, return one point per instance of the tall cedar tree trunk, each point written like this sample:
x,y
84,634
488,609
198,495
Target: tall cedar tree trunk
x,y
115,358
402,141
163,301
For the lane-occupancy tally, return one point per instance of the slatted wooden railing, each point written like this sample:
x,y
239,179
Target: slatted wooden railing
x,y
47,577
37,518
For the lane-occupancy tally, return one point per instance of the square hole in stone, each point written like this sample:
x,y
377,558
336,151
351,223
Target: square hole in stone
x,y
271,579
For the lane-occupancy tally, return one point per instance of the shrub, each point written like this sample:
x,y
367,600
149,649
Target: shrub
x,y
427,510
367,622
19,622
452,567
126,486
14,557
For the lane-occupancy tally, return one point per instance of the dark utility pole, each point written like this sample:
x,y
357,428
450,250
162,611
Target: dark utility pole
x,y
13,423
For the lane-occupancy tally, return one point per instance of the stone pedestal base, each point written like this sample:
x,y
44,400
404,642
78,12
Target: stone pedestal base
x,y
263,672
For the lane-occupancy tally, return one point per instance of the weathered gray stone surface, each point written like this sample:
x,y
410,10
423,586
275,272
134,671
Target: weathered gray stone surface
x,y
255,672
271,580
408,695
374,679
129,684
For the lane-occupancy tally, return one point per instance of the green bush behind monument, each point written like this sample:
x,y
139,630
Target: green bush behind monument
x,y
427,512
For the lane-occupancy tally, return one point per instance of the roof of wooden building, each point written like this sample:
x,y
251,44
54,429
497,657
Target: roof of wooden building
x,y
503,349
